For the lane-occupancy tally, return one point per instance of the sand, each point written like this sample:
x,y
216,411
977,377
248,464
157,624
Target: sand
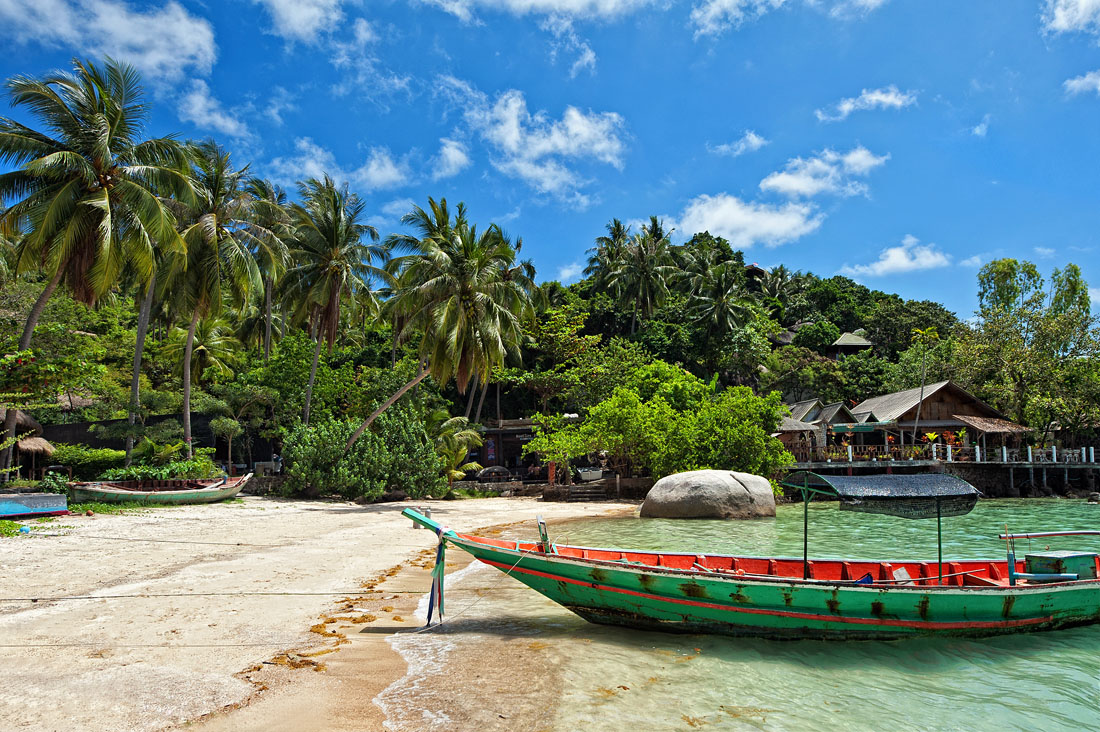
x,y
198,649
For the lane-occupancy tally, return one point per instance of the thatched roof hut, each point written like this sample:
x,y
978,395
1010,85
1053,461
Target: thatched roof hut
x,y
25,423
35,445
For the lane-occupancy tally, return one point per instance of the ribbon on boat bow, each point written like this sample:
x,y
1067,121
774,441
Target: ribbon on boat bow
x,y
435,598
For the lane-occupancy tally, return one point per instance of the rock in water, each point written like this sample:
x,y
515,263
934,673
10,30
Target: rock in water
x,y
710,494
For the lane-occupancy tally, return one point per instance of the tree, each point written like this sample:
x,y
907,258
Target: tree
x,y
227,428
605,256
218,262
332,260
891,322
817,336
269,231
454,294
213,347
85,192
799,373
643,271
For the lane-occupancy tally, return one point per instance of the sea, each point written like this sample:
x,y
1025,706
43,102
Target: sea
x,y
613,679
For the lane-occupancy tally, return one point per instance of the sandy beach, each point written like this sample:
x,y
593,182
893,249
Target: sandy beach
x,y
261,614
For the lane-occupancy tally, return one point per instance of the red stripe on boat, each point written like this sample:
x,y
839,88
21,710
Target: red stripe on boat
x,y
782,613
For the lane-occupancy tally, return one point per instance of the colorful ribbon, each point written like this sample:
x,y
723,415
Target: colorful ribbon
x,y
435,599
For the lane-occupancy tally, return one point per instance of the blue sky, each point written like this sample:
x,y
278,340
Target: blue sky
x,y
901,143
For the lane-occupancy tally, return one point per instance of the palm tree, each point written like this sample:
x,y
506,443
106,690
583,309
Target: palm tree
x,y
459,291
218,260
778,287
213,346
718,302
924,337
603,258
644,270
85,189
332,259
270,230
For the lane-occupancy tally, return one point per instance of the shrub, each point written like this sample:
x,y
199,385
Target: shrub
x,y
198,467
395,455
87,462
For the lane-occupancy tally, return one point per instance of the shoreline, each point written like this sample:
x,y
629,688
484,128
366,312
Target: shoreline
x,y
197,614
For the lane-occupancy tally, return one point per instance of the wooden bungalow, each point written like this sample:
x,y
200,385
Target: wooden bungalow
x,y
848,344
946,407
797,436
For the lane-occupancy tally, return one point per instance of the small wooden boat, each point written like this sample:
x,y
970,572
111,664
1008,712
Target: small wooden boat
x,y
158,492
32,505
793,598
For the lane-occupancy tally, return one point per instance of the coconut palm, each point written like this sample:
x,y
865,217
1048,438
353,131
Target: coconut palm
x,y
459,293
214,347
644,270
218,260
455,464
270,230
84,184
603,258
332,260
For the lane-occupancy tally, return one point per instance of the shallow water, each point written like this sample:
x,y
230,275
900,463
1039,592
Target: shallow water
x,y
620,679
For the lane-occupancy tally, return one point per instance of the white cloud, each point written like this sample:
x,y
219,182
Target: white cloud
x,y
1044,252
164,42
464,9
974,261
397,208
452,159
303,20
745,223
568,41
279,101
534,147
748,142
200,107
310,160
887,97
1062,16
714,17
1094,294
570,272
849,8
982,128
827,172
909,256
1089,82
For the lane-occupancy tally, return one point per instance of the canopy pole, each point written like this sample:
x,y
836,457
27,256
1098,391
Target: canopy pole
x,y
939,538
805,528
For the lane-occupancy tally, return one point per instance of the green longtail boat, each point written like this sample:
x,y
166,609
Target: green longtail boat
x,y
795,598
182,492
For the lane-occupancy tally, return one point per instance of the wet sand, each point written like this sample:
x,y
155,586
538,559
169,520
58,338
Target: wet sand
x,y
179,631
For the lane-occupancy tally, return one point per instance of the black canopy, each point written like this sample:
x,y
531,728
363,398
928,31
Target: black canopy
x,y
909,496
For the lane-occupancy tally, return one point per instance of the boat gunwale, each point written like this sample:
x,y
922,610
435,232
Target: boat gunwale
x,y
762,579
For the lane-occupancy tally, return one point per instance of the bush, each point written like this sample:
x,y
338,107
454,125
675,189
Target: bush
x,y
394,455
201,466
87,462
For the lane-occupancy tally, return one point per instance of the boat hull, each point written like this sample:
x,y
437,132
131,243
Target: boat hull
x,y
32,505
105,493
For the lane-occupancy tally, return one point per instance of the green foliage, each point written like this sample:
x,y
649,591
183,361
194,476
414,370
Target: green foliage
x,y
673,384
817,336
600,370
891,324
864,375
200,466
87,463
54,483
395,454
799,373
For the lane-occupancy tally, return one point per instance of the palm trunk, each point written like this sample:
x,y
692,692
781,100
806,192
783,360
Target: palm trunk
x,y
385,405
312,372
267,318
187,382
481,403
229,453
498,404
139,348
24,344
470,401
916,421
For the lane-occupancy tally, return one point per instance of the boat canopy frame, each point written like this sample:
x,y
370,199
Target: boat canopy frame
x,y
929,495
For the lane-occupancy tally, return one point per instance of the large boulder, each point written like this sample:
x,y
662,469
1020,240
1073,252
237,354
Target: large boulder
x,y
710,494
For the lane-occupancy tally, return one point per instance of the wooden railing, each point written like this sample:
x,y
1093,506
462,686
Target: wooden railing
x,y
942,453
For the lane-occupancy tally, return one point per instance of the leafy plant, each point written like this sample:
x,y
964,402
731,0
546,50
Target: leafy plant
x,y
87,463
200,466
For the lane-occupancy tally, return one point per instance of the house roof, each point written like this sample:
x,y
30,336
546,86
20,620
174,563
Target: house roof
x,y
991,425
35,444
794,425
24,422
889,407
830,412
799,410
851,339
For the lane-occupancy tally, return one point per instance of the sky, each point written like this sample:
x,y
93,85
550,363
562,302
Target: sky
x,y
899,143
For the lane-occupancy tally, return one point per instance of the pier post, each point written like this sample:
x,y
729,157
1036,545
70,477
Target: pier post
x,y
1053,454
949,455
1011,482
934,446
850,458
977,453
1082,454
1004,453
1092,454
1029,459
